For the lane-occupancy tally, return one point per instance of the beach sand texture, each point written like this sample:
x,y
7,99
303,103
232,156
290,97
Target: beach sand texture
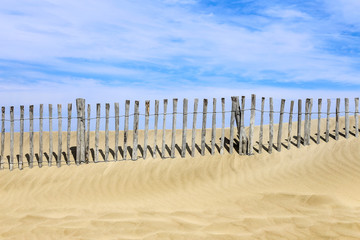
x,y
307,193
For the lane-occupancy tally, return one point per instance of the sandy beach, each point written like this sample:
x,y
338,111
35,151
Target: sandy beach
x,y
306,193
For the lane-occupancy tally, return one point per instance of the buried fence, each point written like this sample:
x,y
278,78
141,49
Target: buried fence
x,y
240,134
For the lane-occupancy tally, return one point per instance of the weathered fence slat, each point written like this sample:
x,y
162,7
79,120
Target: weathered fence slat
x,y
306,122
68,136
184,128
203,129
328,120
126,128
11,165
213,128
21,139
242,134
173,130
290,124
356,117
319,121
164,129
87,146
222,140
347,123
196,101
337,118
80,148
156,126
135,130
252,123
116,148
232,121
146,132
261,132
97,129
271,125
309,121
299,123
280,127
31,136
107,110
41,111
59,111
50,136
2,137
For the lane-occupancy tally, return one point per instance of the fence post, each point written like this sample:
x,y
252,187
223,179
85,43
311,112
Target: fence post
x,y
184,129
232,120
2,137
213,129
40,135
290,123
271,125
337,119
107,110
319,121
173,130
252,123
59,135
11,165
306,122
146,132
116,150
21,142
31,135
299,123
164,129
261,125
281,117
347,123
242,134
222,126
68,137
135,130
309,121
97,129
126,127
80,149
156,126
87,142
203,130
356,117
196,101
50,136
328,120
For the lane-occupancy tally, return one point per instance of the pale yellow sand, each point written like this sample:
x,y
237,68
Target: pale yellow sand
x,y
307,193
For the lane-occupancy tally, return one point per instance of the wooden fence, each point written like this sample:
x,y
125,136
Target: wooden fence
x,y
239,138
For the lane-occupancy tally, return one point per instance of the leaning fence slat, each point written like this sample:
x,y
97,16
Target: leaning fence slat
x,y
213,128
196,101
156,126
306,122
50,136
41,110
11,165
203,129
222,140
337,118
135,130
184,128
97,129
280,126
299,123
319,121
87,142
107,110
68,136
173,130
290,124
116,149
242,134
252,123
271,125
2,137
261,132
164,129
328,120
146,132
21,139
232,121
347,123
59,135
126,127
356,117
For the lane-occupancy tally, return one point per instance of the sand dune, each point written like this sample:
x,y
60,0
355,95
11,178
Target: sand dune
x,y
306,193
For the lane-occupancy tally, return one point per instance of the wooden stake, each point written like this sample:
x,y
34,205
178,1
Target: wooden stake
x,y
203,130
40,135
299,123
135,130
59,108
319,121
252,123
80,150
271,125
68,137
21,139
347,121
328,120
50,136
107,110
97,129
261,132
309,122
281,117
213,129
242,134
222,126
117,119
11,165
290,124
337,119
87,142
126,127
173,131
356,117
306,123
164,129
232,121
196,101
146,132
156,126
2,157
184,129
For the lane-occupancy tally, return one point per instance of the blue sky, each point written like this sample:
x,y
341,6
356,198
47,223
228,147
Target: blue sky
x,y
107,50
